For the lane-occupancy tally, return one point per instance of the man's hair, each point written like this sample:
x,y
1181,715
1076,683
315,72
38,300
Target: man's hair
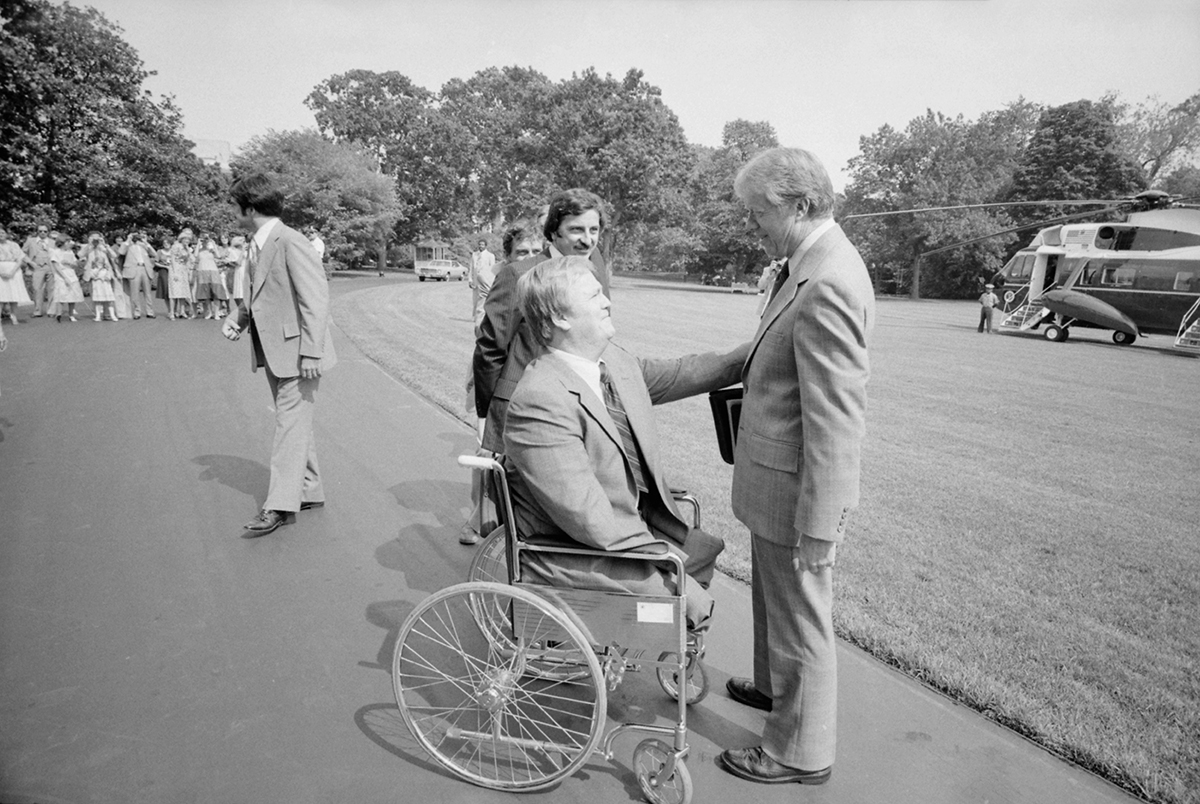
x,y
569,203
258,191
544,293
787,176
513,235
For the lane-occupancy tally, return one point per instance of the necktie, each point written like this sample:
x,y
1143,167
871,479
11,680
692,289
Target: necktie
x,y
629,446
251,260
780,278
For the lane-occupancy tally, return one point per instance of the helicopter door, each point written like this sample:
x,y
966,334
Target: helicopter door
x,y
1044,272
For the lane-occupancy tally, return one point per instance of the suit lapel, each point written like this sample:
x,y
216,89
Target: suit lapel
x,y
266,257
808,266
595,408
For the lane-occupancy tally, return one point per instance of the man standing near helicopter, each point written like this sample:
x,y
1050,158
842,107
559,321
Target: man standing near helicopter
x,y
987,302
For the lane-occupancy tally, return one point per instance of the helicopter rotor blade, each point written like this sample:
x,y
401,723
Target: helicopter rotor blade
x,y
1037,225
1074,202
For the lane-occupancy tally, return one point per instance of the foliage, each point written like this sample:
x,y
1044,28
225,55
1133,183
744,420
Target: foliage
x,y
81,144
427,154
936,161
333,186
1158,136
1074,154
719,219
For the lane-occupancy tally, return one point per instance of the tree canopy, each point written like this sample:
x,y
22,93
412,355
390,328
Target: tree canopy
x,y
82,145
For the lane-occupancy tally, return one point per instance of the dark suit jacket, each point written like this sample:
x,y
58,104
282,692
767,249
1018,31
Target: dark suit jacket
x,y
288,305
504,345
572,482
796,464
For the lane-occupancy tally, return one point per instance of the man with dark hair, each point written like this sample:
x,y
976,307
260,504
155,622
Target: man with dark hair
x,y
575,220
37,248
286,310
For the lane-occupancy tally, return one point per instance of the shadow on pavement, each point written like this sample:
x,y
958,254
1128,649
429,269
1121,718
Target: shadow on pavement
x,y
240,474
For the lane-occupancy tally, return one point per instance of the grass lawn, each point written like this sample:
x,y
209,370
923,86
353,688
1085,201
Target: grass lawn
x,y
1029,537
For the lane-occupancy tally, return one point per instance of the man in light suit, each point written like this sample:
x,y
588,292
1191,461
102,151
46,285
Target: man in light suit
x,y
796,464
137,272
287,313
575,220
587,468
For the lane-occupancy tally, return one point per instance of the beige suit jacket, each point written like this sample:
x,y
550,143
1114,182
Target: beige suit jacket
x,y
799,444
288,306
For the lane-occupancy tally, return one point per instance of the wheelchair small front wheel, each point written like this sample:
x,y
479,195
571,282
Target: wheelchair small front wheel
x,y
650,759
695,686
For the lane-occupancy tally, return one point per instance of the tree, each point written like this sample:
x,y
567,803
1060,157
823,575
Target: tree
x,y
336,187
80,142
1158,136
1073,154
427,154
719,219
619,140
936,161
501,109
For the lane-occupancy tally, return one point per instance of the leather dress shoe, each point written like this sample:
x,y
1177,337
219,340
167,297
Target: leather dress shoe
x,y
308,504
267,521
743,691
755,765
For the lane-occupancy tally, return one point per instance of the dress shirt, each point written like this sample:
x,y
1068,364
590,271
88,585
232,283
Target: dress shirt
x,y
808,242
588,370
260,237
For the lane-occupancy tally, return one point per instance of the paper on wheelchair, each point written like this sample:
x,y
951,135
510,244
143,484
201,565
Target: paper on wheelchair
x,y
640,623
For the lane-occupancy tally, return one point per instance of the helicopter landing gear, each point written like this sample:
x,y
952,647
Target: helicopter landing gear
x,y
1056,333
1123,338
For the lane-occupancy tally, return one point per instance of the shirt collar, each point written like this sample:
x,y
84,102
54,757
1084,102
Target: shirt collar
x,y
588,370
808,242
264,231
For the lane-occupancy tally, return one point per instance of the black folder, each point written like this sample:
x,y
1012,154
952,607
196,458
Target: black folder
x,y
727,412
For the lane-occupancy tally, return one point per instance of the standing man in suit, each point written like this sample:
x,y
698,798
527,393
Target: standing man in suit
x,y
137,272
38,248
287,313
575,220
581,436
796,464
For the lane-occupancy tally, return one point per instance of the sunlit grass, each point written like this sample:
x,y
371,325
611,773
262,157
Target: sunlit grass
x,y
1029,537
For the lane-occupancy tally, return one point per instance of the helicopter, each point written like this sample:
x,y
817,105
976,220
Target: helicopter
x,y
1135,278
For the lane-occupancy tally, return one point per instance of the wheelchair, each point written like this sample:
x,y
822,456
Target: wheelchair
x,y
505,683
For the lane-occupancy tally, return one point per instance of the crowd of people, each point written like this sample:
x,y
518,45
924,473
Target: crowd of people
x,y
196,276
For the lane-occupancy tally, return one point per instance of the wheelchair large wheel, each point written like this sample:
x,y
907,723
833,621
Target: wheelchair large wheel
x,y
649,762
490,562
471,701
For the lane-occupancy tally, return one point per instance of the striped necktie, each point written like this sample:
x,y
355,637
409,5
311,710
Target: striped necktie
x,y
780,278
251,260
629,445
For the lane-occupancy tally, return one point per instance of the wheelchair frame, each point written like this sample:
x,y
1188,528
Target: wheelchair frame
x,y
536,636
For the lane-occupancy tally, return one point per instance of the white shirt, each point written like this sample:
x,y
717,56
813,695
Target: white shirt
x,y
264,231
808,242
319,245
588,370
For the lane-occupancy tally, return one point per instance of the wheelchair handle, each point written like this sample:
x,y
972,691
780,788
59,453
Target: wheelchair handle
x,y
475,462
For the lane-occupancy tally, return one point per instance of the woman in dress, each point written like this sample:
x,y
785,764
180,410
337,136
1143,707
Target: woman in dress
x,y
179,270
12,282
162,271
210,290
99,268
235,258
67,290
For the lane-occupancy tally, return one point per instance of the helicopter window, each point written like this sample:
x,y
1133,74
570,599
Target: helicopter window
x,y
1185,280
1117,275
1090,275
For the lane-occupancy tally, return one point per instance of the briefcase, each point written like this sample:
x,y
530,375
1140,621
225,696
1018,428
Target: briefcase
x,y
727,412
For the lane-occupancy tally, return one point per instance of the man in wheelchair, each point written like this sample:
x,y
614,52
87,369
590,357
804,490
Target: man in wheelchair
x,y
581,437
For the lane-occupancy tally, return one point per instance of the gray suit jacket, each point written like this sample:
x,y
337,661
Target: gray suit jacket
x,y
288,305
572,483
796,465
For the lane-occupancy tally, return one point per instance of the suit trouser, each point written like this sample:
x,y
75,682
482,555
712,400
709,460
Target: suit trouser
x,y
140,285
795,656
294,473
43,288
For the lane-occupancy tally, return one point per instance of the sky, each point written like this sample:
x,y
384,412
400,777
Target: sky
x,y
822,72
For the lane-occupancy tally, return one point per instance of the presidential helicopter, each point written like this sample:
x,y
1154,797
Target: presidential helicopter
x,y
1137,277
